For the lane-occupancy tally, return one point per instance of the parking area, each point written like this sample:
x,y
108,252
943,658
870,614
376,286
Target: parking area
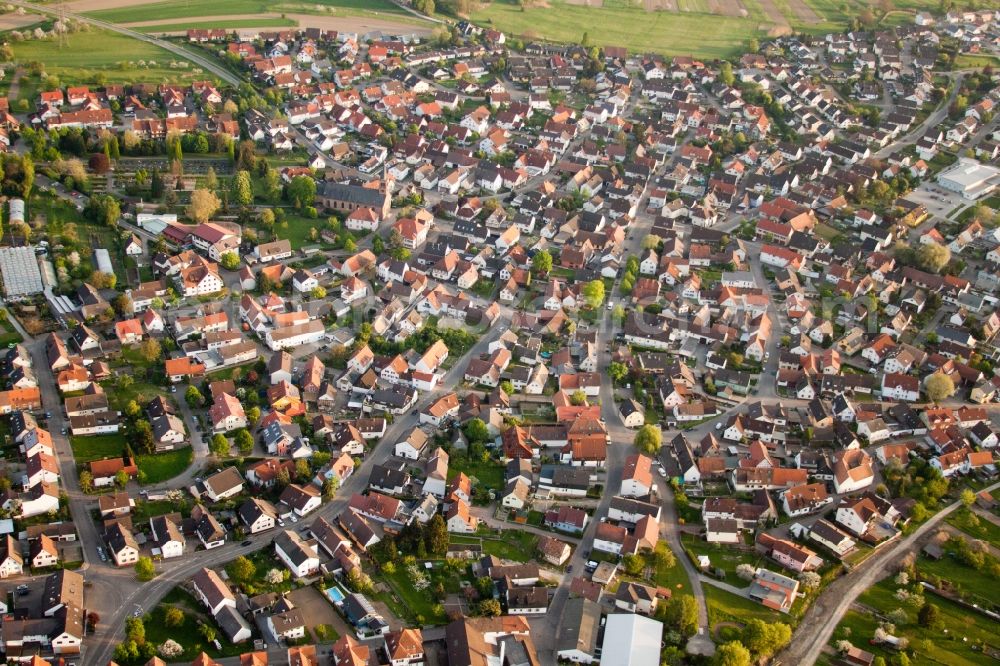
x,y
938,201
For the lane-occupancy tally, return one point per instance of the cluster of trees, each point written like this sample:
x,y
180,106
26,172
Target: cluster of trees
x,y
420,540
628,279
17,175
458,340
918,480
135,647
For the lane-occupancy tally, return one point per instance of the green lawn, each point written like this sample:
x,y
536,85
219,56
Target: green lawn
x,y
511,545
9,336
941,647
489,473
421,605
975,526
161,467
96,447
115,57
724,606
968,581
691,31
174,9
157,631
146,509
726,558
225,24
969,61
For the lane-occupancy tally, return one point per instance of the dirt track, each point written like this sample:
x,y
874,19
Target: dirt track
x,y
12,21
803,12
359,24
78,6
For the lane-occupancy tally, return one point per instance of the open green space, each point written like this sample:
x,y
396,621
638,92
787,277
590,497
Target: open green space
x,y
975,526
96,447
957,640
489,473
512,544
725,557
160,467
85,57
700,34
172,9
8,334
224,24
724,606
187,634
970,61
691,31
966,580
421,605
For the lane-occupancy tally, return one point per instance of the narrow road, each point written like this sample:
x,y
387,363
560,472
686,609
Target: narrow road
x,y
819,622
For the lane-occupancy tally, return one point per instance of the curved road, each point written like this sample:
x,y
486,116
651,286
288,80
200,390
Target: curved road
x,y
823,616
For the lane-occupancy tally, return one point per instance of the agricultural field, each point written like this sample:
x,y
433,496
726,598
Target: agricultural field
x,y
186,9
98,56
701,28
225,24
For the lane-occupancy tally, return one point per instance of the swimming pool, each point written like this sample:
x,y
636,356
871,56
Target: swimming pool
x,y
334,594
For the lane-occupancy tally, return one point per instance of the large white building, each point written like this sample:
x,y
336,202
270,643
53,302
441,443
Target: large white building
x,y
634,640
970,178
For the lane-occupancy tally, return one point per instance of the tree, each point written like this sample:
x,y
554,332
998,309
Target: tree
x,y
150,350
208,632
244,441
103,209
302,191
437,535
86,481
317,293
204,204
933,257
489,608
476,431
764,638
121,478
633,564
102,280
726,74
968,498
593,293
650,242
173,616
242,569
219,445
193,397
99,163
230,261
144,569
578,397
617,371
939,386
810,580
330,486
682,614
242,188
929,616
541,263
731,654
648,439
746,571
253,415
302,470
